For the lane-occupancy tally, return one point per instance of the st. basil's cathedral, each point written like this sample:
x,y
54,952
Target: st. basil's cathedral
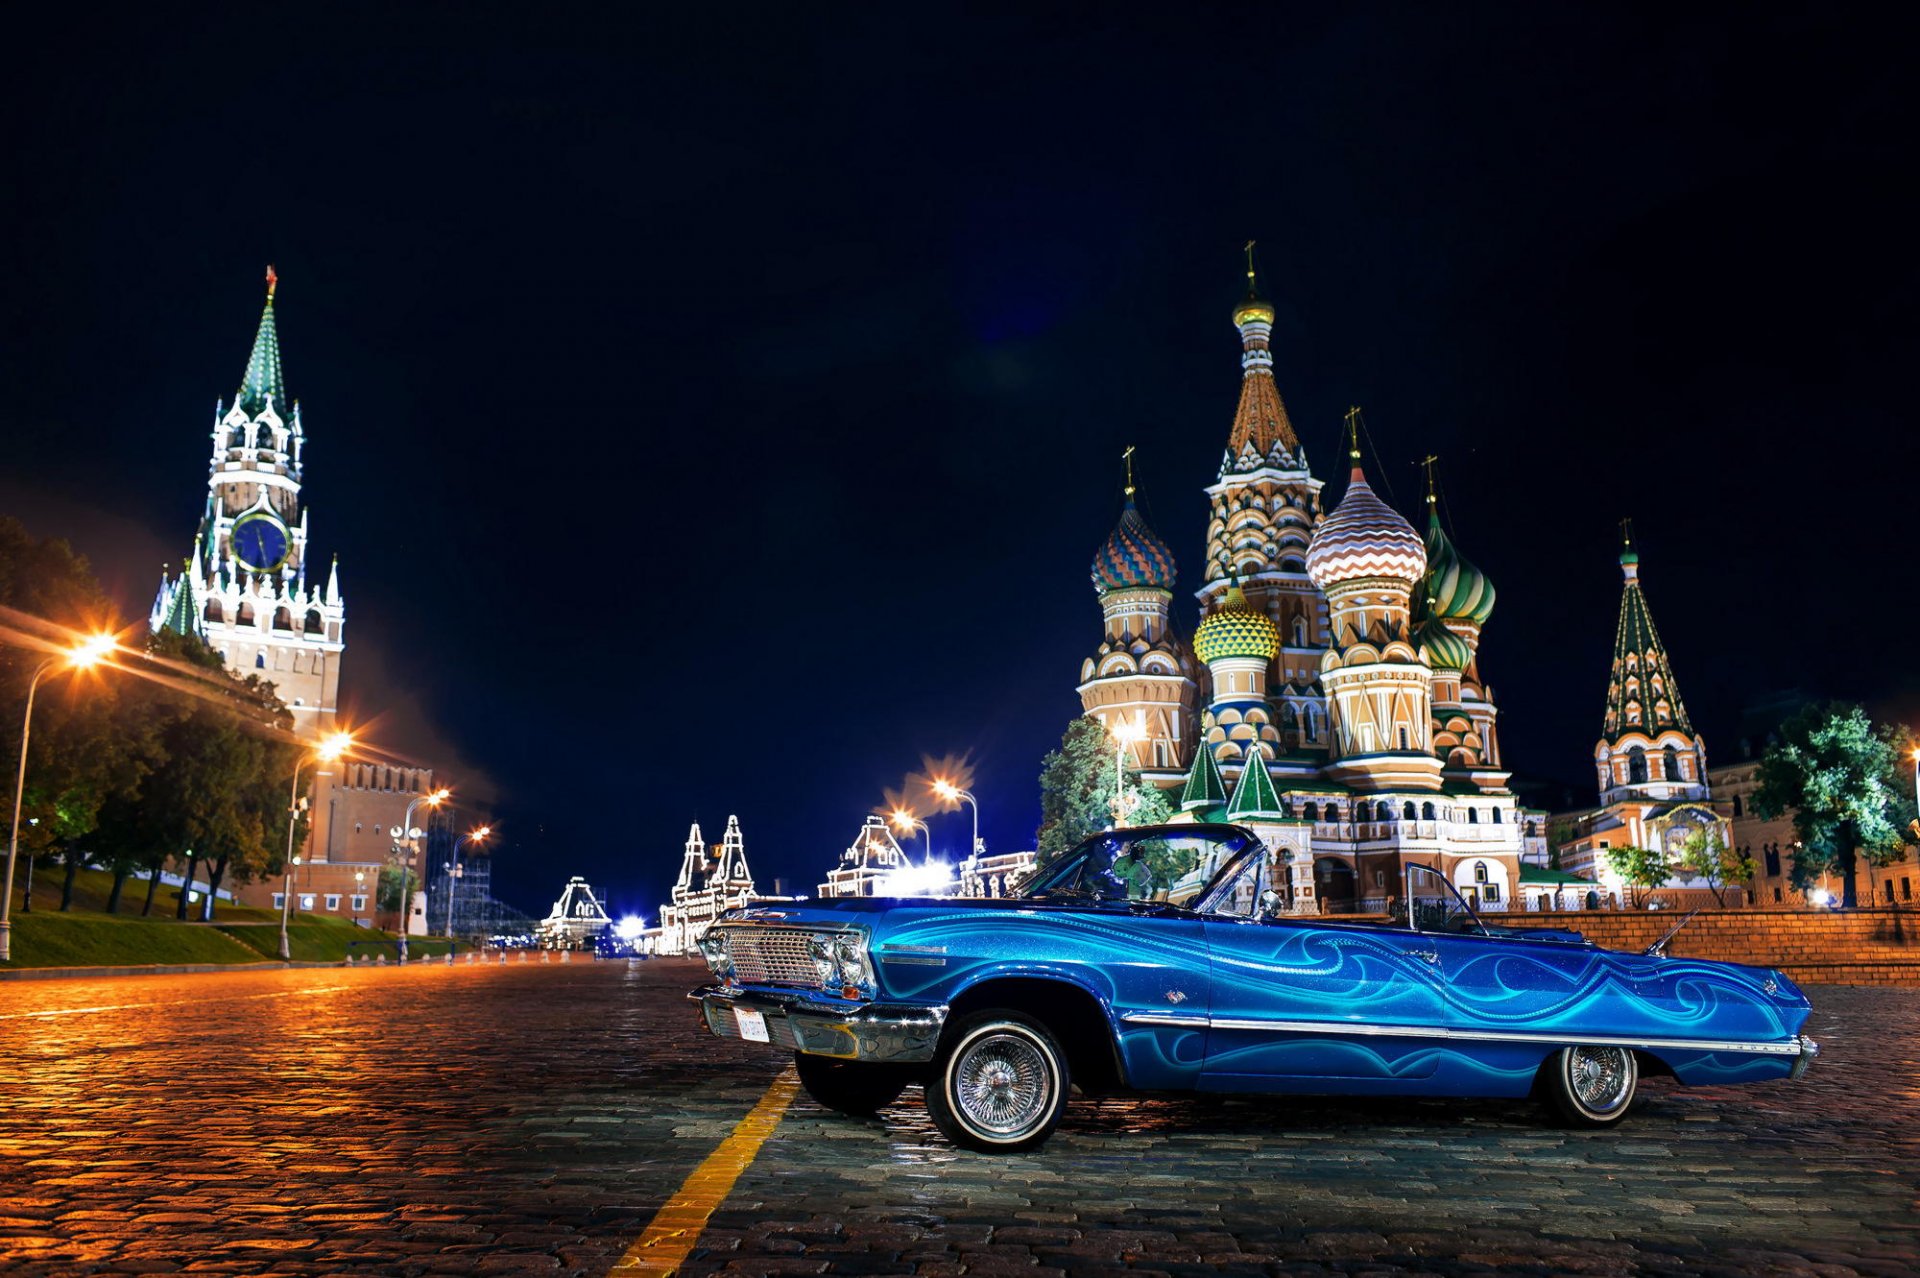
x,y
1331,699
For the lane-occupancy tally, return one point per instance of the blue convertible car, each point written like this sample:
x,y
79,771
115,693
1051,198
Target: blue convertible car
x,y
1150,958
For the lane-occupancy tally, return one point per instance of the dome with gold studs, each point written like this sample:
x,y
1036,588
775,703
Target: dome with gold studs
x,y
1236,630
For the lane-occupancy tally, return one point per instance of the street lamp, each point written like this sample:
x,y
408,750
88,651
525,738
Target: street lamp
x,y
328,751
954,794
408,833
905,822
455,873
1125,733
84,655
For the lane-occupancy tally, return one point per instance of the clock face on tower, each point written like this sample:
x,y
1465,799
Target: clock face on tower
x,y
260,542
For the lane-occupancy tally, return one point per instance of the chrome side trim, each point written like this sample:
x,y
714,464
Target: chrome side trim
x,y
1808,1050
1473,1036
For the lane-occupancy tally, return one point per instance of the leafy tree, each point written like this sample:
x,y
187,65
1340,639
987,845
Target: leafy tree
x,y
1077,790
1843,783
1639,868
1705,855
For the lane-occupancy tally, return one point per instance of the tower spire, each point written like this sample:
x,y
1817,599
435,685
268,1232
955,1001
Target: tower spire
x,y
1353,438
1127,457
1262,433
262,381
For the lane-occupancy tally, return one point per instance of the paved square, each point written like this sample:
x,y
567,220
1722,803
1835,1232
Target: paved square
x,y
533,1118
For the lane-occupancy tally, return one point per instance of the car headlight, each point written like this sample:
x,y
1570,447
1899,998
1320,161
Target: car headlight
x,y
826,967
851,951
713,948
840,962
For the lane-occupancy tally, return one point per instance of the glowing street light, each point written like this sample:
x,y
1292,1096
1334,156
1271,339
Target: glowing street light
x,y
1125,733
455,873
905,822
86,654
330,750
954,794
412,836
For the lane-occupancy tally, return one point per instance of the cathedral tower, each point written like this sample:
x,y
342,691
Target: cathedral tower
x,y
1647,748
1239,645
246,587
1454,601
1264,506
1142,673
1367,559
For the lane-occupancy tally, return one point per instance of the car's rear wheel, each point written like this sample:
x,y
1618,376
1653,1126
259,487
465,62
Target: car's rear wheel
x,y
852,1087
1592,1086
999,1083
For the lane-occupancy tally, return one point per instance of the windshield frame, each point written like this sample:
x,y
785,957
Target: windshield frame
x,y
1061,879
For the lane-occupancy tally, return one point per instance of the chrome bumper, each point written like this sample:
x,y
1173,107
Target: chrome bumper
x,y
900,1033
1808,1050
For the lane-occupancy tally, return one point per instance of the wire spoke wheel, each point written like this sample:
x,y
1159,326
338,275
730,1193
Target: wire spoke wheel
x,y
999,1084
1594,1086
1003,1084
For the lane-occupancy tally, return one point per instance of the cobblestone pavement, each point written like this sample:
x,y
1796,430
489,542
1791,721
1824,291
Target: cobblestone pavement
x,y
532,1118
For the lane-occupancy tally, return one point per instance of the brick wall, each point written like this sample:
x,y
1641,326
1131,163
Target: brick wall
x,y
1852,947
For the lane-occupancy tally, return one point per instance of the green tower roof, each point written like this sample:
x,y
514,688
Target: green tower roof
x,y
1642,694
1254,795
182,617
1205,787
263,366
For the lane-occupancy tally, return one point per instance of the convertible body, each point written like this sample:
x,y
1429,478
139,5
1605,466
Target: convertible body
x,y
1139,991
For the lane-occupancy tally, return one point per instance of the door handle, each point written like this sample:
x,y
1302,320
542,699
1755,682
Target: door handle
x,y
1430,956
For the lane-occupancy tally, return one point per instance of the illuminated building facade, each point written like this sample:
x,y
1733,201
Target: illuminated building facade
x,y
1331,698
710,882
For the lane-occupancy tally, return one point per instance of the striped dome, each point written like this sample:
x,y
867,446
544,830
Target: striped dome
x,y
1236,630
1132,556
1364,537
1444,649
1454,587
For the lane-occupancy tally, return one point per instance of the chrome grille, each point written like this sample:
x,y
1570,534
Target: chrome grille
x,y
771,956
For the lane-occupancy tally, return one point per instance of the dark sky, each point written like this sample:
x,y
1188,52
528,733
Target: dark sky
x,y
716,412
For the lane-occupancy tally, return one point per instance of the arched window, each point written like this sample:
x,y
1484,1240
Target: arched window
x,y
316,624
1473,816
1636,766
245,616
1299,632
265,438
1333,812
1382,811
1479,871
1736,805
1672,764
1426,811
212,612
1407,811
1403,739
260,661
1496,816
1312,811
1533,829
1289,717
282,619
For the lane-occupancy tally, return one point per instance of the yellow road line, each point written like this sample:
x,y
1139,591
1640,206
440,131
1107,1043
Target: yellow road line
x,y
677,1226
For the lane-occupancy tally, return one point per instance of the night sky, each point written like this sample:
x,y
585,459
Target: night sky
x,y
717,413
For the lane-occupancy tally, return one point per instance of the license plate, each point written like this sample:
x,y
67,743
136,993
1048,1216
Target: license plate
x,y
753,1025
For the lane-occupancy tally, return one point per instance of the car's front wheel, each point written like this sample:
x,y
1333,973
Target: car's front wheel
x,y
1592,1086
999,1083
852,1087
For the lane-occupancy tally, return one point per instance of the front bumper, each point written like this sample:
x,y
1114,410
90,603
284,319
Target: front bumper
x,y
897,1033
1803,1062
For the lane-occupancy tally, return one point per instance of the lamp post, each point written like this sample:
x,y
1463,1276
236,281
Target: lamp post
x,y
1125,733
905,822
954,794
84,655
408,833
326,752
454,874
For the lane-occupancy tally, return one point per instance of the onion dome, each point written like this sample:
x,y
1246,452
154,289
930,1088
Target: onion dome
x,y
1252,309
1132,556
1445,649
1455,589
1236,630
1364,537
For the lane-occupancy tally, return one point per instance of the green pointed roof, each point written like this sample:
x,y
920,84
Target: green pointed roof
x,y
1641,679
1255,795
182,617
263,366
1205,787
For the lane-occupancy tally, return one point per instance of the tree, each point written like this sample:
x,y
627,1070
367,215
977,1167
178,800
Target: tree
x,y
1639,868
1842,781
1704,854
1077,790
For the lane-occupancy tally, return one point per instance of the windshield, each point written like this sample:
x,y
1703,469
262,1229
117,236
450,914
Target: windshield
x,y
1434,905
1156,863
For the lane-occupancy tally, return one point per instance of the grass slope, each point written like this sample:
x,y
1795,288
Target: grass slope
x,y
93,940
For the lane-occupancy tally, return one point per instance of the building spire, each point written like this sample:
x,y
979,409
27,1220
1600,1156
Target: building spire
x,y
262,381
1353,438
1127,457
1642,695
1262,432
